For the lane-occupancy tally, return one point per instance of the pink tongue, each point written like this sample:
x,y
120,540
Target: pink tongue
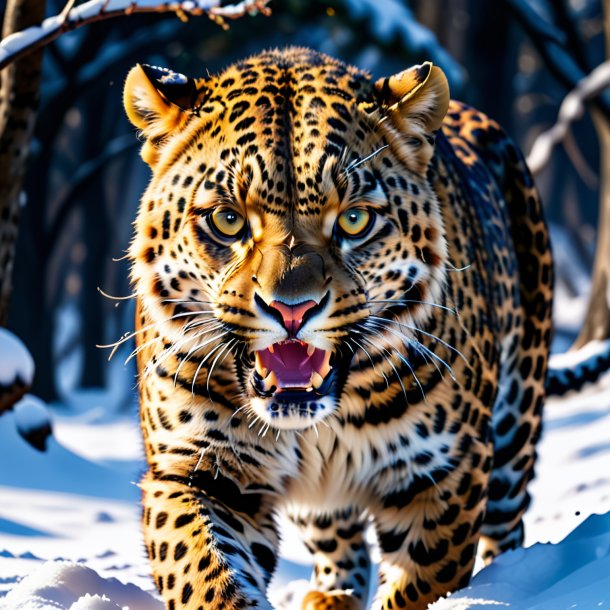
x,y
291,364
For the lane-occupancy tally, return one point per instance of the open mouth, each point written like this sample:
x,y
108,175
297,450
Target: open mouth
x,y
292,366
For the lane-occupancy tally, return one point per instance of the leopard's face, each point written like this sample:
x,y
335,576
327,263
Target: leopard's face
x,y
289,215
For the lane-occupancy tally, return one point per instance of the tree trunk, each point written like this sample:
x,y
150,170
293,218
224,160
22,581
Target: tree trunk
x,y
597,320
19,95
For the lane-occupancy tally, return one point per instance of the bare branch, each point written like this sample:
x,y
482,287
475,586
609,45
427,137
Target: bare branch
x,y
572,109
550,43
19,44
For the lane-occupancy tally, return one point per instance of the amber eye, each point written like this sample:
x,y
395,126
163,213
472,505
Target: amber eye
x,y
355,222
227,223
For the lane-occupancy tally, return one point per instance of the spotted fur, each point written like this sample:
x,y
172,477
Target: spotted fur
x,y
438,321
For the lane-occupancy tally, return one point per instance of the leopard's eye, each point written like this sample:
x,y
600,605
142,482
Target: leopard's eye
x,y
355,222
227,223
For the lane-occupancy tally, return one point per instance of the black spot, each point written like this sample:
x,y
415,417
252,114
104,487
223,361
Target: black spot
x,y
411,592
323,522
448,572
187,591
184,417
467,554
244,123
460,533
327,546
183,520
204,563
264,556
180,551
238,109
391,541
400,600
165,225
427,556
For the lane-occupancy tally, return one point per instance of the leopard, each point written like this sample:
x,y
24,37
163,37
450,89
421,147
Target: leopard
x,y
343,315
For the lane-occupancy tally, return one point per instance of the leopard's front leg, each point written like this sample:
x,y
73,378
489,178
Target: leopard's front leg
x,y
204,552
428,538
341,559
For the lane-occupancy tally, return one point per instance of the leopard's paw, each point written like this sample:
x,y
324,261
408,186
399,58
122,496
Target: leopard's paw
x,y
331,600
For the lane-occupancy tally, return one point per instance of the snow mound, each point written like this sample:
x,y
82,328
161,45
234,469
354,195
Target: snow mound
x,y
16,369
59,469
30,414
65,585
33,421
94,602
16,362
573,574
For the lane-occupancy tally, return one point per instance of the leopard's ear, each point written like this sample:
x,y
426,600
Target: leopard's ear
x,y
419,94
157,101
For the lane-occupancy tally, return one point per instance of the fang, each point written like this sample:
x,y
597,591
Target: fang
x,y
316,379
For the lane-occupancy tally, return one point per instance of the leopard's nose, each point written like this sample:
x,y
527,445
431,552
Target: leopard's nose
x,y
292,315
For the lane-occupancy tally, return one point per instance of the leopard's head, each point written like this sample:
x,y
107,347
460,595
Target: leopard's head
x,y
290,207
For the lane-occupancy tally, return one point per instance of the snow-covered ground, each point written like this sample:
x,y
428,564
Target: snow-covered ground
x,y
70,535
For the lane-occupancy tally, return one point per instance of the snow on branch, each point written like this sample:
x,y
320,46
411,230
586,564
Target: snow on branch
x,y
19,44
571,109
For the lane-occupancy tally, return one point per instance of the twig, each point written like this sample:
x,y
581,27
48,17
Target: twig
x,y
63,16
19,44
586,173
571,109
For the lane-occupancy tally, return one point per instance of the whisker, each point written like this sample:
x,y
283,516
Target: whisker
x,y
415,302
413,342
224,349
423,332
354,164
113,298
451,267
382,374
187,301
435,338
403,360
203,362
130,335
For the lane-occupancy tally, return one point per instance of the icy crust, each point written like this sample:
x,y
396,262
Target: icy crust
x,y
65,585
572,574
16,363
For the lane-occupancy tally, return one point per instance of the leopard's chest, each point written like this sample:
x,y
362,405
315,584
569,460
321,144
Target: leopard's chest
x,y
341,465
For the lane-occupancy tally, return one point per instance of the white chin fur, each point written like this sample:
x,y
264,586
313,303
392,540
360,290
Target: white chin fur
x,y
291,420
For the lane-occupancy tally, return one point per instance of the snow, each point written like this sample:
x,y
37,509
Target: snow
x,y
573,574
52,27
571,359
71,586
33,421
16,363
31,414
70,536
